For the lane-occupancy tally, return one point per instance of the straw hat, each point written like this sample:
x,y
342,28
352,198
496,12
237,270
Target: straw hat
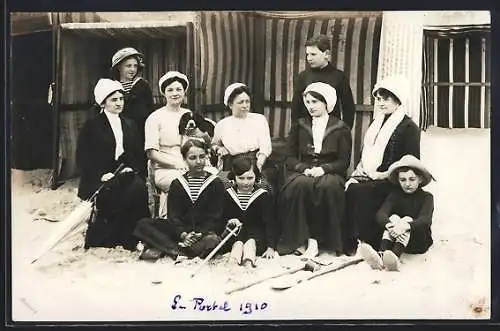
x,y
326,90
398,85
169,75
104,88
229,90
124,53
411,162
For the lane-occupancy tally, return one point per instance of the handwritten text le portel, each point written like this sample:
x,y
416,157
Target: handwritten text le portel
x,y
199,303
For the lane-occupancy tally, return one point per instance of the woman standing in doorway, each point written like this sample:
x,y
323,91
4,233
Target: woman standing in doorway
x,y
126,67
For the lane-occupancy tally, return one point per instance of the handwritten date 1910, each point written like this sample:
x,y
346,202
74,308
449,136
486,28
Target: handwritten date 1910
x,y
202,304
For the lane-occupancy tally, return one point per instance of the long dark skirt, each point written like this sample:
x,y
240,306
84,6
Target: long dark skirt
x,y
119,207
311,208
363,200
159,233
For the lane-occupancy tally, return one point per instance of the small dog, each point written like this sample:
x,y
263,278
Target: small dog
x,y
194,126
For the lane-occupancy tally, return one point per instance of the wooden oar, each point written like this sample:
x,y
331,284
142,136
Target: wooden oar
x,y
287,283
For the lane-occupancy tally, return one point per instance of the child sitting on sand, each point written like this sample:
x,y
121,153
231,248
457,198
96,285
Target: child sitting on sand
x,y
252,206
406,215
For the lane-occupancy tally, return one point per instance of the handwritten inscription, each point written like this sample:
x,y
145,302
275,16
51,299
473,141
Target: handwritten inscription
x,y
205,305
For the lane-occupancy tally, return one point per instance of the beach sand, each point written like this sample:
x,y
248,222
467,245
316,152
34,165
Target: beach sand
x,y
451,281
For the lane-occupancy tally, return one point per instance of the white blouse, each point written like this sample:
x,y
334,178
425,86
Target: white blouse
x,y
116,126
318,128
162,132
241,135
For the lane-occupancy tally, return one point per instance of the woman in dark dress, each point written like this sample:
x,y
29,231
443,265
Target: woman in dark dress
x,y
311,203
106,141
391,135
194,214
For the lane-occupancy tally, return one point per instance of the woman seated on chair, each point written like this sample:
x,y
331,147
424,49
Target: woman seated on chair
x,y
244,133
312,200
162,138
194,213
106,141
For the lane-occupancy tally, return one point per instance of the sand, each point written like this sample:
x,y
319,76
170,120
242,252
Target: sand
x,y
451,281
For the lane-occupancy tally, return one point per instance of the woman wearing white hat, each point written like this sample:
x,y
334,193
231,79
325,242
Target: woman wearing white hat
x,y
243,133
106,141
162,138
312,200
391,135
126,66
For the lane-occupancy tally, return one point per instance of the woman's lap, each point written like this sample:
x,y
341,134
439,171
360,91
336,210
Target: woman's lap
x,y
362,203
164,177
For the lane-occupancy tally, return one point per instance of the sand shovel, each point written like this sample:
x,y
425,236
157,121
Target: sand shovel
x,y
72,222
231,232
287,283
309,266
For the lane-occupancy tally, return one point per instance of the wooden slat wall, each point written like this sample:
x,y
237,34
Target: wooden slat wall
x,y
356,47
279,55
227,56
355,43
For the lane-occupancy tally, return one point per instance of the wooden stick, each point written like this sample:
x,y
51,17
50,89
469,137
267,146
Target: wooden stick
x,y
263,279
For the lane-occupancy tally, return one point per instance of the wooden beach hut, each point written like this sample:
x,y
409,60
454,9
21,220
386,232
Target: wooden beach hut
x,y
264,50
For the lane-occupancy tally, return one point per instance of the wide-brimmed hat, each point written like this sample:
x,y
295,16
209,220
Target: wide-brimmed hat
x,y
229,90
124,53
412,162
326,90
169,75
104,88
397,84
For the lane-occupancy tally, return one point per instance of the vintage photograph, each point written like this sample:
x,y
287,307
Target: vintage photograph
x,y
250,165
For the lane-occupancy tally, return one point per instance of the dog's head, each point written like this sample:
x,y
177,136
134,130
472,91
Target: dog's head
x,y
191,122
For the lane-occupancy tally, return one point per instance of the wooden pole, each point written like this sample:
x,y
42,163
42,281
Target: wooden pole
x,y
57,77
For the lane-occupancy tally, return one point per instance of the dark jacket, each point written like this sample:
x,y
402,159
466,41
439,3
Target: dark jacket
x,y
257,218
404,140
204,215
139,104
332,76
335,155
95,153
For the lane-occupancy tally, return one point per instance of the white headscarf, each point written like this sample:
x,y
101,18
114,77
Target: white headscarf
x,y
377,136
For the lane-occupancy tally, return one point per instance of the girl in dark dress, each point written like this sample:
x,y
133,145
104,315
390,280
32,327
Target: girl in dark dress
x,y
194,213
391,135
311,203
245,202
106,141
